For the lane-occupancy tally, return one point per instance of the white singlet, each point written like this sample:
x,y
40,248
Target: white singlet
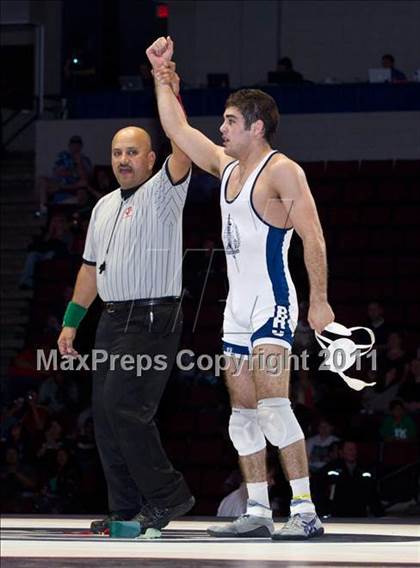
x,y
261,306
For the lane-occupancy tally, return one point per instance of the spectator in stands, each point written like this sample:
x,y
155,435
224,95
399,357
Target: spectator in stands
x,y
16,439
63,483
388,62
54,242
378,398
285,73
15,480
349,489
398,425
376,322
52,441
395,355
235,503
58,393
72,170
102,183
11,415
34,419
410,389
317,446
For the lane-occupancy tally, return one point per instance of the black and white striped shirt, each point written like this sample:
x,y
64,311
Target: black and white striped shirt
x,y
139,239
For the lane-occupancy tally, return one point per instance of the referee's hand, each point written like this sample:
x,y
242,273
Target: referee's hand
x,y
65,342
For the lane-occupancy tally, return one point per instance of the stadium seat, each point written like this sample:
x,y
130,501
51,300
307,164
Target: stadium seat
x,y
342,169
205,451
313,170
407,168
399,453
376,168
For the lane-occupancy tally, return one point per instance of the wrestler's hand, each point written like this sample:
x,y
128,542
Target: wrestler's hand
x,y
160,52
65,342
320,315
166,75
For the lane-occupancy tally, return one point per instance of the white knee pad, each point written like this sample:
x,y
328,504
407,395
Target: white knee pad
x,y
245,432
278,422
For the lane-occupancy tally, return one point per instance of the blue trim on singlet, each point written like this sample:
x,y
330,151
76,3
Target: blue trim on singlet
x,y
235,349
276,271
275,265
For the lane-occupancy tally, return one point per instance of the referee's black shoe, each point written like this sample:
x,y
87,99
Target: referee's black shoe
x,y
103,525
153,517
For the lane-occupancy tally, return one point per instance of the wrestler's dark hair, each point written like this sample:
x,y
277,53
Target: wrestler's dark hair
x,y
256,105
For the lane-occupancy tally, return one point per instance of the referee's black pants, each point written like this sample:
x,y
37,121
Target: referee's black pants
x,y
124,405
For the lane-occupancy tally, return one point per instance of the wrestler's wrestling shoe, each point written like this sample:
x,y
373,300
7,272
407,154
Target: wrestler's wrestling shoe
x,y
153,517
245,526
103,525
300,526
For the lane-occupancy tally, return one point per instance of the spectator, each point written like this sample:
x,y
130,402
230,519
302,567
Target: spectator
x,y
55,242
72,170
410,389
51,443
103,182
379,397
395,355
34,419
398,425
15,480
16,439
285,73
388,62
317,446
376,322
58,393
349,489
234,504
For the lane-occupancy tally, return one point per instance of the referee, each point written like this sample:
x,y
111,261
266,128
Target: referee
x,y
132,259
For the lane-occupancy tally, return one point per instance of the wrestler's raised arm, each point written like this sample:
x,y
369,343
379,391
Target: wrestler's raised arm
x,y
198,147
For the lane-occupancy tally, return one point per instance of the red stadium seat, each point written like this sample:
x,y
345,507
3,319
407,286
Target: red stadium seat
x,y
375,215
408,266
212,423
213,482
378,267
358,191
344,267
368,453
379,288
376,168
343,215
408,288
409,168
349,241
180,423
406,215
399,453
344,289
176,448
313,170
205,451
341,169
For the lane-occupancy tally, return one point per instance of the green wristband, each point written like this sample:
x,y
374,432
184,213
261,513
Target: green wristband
x,y
74,315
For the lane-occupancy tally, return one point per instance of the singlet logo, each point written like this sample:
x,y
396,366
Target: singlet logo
x,y
231,237
279,321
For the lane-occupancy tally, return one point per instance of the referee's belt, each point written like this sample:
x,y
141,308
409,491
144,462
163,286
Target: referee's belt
x,y
111,307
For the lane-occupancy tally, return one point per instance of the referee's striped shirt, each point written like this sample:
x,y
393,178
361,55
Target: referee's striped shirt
x,y
139,239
